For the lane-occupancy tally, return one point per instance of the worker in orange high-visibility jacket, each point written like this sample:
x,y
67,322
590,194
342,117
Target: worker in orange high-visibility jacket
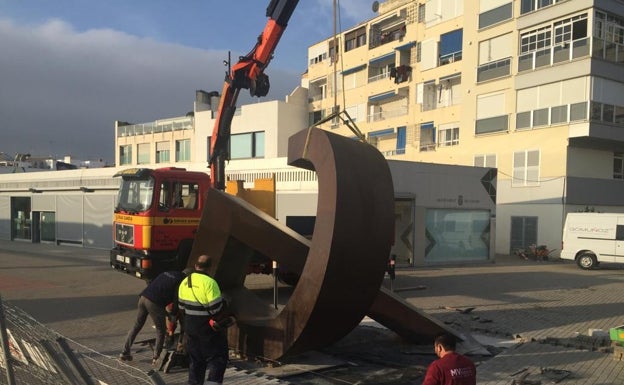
x,y
200,298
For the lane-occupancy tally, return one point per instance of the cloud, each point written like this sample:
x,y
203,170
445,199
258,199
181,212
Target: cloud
x,y
62,90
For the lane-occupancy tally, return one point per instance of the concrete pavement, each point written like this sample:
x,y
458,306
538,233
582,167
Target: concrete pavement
x,y
535,316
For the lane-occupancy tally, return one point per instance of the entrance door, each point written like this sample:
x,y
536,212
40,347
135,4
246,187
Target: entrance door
x,y
20,218
523,233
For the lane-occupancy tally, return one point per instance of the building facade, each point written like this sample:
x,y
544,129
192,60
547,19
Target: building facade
x,y
531,87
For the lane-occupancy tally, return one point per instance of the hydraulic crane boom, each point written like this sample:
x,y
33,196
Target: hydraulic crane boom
x,y
248,73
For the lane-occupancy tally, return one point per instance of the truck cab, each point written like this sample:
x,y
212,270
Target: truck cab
x,y
155,219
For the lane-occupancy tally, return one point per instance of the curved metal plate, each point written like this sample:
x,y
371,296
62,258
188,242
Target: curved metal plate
x,y
342,267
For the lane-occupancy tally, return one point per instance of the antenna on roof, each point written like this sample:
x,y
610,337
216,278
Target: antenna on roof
x,y
375,6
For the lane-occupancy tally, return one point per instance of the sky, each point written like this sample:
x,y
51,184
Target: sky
x,y
70,68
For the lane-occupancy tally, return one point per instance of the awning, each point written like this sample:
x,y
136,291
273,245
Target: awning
x,y
405,46
449,77
378,97
379,59
353,69
387,131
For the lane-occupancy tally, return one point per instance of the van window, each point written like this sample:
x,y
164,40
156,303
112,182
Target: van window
x,y
619,233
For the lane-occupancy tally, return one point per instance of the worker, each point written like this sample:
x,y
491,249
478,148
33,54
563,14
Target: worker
x,y
203,306
153,300
451,368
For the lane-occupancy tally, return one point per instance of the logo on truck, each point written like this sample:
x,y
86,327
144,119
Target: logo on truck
x,y
579,229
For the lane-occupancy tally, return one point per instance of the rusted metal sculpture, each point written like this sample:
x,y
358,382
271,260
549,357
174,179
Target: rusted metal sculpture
x,y
341,268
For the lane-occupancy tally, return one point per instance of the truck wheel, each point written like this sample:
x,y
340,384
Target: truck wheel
x,y
587,261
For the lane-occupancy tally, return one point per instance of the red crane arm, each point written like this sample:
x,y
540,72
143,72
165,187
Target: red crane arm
x,y
248,73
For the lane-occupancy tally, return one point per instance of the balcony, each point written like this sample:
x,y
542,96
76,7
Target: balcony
x,y
552,55
494,70
450,58
156,127
383,115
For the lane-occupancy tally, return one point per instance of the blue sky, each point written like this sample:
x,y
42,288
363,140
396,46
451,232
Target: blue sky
x,y
70,68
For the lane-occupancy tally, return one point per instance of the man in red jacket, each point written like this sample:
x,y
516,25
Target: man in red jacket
x,y
452,368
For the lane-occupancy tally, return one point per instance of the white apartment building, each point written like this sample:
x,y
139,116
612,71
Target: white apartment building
x,y
534,88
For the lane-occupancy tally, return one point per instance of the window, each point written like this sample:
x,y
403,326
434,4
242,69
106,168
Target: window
x,y
540,117
448,136
143,153
495,15
558,114
401,140
315,117
179,195
527,6
578,111
495,57
491,116
162,152
485,160
421,13
248,145
563,40
418,52
427,95
525,168
451,47
183,150
355,39
125,155
427,136
618,165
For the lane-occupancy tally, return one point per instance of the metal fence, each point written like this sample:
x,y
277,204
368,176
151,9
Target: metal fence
x,y
32,354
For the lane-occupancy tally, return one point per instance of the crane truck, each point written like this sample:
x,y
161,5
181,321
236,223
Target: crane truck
x,y
158,210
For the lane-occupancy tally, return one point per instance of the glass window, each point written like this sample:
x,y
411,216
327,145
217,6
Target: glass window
x,y
248,145
523,120
455,235
596,111
578,111
449,137
559,114
619,115
427,136
485,160
125,154
183,150
421,13
451,46
496,15
525,168
162,152
240,146
607,113
497,123
540,117
618,165
143,156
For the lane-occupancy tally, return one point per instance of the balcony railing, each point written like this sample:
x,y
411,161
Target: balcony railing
x,y
382,115
382,76
450,58
155,127
494,70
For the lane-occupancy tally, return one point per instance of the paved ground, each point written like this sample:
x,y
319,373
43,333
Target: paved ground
x,y
534,317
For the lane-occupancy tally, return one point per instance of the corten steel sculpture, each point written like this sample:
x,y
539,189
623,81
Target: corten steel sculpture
x,y
341,268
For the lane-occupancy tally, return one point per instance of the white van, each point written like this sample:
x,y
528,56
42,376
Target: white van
x,y
591,238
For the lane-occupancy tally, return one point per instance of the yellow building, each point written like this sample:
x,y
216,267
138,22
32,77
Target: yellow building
x,y
532,87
